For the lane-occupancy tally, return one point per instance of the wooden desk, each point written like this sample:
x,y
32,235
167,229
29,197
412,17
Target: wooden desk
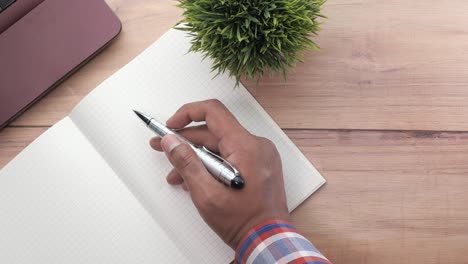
x,y
381,111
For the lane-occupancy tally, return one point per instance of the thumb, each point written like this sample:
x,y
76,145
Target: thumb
x,y
186,162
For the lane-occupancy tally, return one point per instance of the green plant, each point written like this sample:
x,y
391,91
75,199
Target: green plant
x,y
251,37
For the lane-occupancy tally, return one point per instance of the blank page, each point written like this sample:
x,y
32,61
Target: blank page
x,y
61,203
158,82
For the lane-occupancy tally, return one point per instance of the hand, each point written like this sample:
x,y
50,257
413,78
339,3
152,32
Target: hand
x,y
230,213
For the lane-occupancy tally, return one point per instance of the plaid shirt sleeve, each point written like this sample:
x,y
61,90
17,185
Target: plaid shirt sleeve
x,y
277,242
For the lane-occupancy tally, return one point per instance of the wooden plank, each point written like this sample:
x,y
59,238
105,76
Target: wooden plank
x,y
383,65
390,196
14,139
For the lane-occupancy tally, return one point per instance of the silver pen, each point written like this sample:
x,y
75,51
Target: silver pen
x,y
220,168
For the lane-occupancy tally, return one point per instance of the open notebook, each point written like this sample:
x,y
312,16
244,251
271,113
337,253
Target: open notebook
x,y
91,190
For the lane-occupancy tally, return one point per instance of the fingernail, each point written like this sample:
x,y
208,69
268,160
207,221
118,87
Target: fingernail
x,y
155,140
155,143
170,142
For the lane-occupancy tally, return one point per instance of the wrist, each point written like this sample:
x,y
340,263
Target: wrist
x,y
252,225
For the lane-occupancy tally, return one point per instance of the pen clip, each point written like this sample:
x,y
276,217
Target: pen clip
x,y
236,172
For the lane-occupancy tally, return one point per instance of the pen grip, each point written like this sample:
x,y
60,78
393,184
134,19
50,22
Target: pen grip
x,y
220,169
217,168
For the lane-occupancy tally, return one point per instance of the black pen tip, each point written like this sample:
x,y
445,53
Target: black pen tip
x,y
142,117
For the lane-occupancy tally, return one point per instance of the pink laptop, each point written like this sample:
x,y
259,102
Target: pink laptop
x,y
44,41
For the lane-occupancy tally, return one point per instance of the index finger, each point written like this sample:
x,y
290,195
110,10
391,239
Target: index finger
x,y
219,120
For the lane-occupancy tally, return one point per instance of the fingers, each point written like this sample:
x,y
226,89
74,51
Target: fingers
x,y
155,143
219,120
174,178
188,166
199,135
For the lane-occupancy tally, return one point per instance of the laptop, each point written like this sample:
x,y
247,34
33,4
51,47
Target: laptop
x,y
42,42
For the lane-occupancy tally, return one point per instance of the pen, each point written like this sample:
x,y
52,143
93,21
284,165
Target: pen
x,y
220,168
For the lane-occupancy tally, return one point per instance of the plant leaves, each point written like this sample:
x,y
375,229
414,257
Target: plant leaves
x,y
251,37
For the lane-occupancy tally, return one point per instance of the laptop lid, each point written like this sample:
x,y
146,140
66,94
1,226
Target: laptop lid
x,y
41,47
13,10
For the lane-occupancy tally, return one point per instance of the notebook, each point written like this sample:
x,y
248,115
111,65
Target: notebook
x,y
91,190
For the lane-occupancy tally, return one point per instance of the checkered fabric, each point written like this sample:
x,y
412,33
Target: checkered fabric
x,y
277,242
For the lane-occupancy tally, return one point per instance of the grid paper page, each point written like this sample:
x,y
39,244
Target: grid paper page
x,y
61,203
158,82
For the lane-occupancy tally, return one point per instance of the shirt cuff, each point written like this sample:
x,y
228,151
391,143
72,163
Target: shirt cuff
x,y
277,241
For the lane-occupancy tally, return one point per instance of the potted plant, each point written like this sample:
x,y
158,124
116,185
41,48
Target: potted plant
x,y
251,37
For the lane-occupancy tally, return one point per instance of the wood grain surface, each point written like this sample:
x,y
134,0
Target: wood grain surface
x,y
371,110
391,197
394,64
